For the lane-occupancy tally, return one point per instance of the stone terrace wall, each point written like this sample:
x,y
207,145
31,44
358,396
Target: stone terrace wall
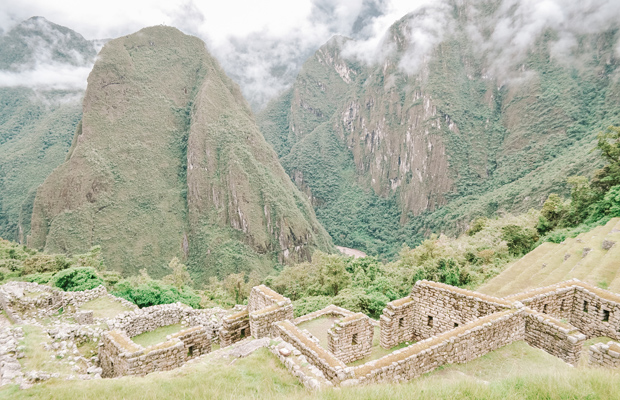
x,y
350,339
120,356
460,345
235,327
77,299
148,319
333,369
440,308
397,322
556,338
605,355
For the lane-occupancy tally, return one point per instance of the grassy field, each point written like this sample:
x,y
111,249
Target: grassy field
x,y
36,357
582,257
103,307
147,339
517,371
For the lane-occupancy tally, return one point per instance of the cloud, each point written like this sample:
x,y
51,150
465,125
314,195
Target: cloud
x,y
48,76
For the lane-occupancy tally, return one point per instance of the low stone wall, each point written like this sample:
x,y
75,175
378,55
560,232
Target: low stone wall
x,y
16,301
397,322
119,355
333,369
555,337
76,299
148,319
235,327
84,317
460,345
605,355
329,310
440,308
350,338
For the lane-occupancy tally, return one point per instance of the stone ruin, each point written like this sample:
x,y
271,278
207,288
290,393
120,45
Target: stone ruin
x,y
440,324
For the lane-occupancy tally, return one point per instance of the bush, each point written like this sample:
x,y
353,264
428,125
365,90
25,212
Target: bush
x,y
42,263
310,304
77,279
41,279
519,240
155,292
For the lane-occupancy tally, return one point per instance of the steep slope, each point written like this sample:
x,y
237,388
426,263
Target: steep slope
x,y
591,257
438,128
37,123
168,162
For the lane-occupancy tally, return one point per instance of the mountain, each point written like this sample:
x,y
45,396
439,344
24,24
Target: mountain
x,y
40,93
168,161
465,109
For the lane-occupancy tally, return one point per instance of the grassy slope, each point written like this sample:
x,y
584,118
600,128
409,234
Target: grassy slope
x,y
495,147
516,371
552,263
168,162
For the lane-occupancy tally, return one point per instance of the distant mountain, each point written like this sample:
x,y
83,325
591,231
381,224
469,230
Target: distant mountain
x,y
465,109
168,161
43,68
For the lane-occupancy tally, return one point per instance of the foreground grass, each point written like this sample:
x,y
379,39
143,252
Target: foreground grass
x,y
529,374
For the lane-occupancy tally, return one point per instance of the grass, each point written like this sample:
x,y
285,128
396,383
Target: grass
x,y
36,357
156,336
516,371
318,327
104,307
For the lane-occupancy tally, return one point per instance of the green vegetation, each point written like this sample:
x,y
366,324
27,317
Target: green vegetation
x,y
156,336
37,358
399,156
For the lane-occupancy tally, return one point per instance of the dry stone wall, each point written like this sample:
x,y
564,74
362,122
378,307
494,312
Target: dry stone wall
x,y
457,346
119,355
235,327
266,307
397,322
350,338
555,337
440,308
329,310
605,355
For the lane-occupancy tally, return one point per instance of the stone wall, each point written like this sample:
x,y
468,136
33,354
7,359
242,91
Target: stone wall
x,y
235,327
261,322
333,369
28,299
148,319
440,308
266,307
605,355
397,322
119,355
555,337
350,338
329,310
460,345
84,317
594,311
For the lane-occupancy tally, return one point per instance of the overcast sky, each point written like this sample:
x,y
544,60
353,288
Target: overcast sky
x,y
261,44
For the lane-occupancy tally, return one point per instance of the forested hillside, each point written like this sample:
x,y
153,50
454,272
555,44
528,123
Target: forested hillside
x,y
168,162
38,114
445,123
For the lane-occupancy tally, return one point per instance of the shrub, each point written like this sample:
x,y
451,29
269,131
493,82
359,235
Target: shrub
x,y
156,292
41,279
519,240
310,304
77,279
42,263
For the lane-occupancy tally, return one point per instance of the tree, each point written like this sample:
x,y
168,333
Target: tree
x,y
609,145
180,276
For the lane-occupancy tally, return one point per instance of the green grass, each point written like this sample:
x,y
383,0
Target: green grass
x,y
318,327
104,307
36,357
514,372
156,336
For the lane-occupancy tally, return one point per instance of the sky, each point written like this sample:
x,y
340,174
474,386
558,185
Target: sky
x,y
263,44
